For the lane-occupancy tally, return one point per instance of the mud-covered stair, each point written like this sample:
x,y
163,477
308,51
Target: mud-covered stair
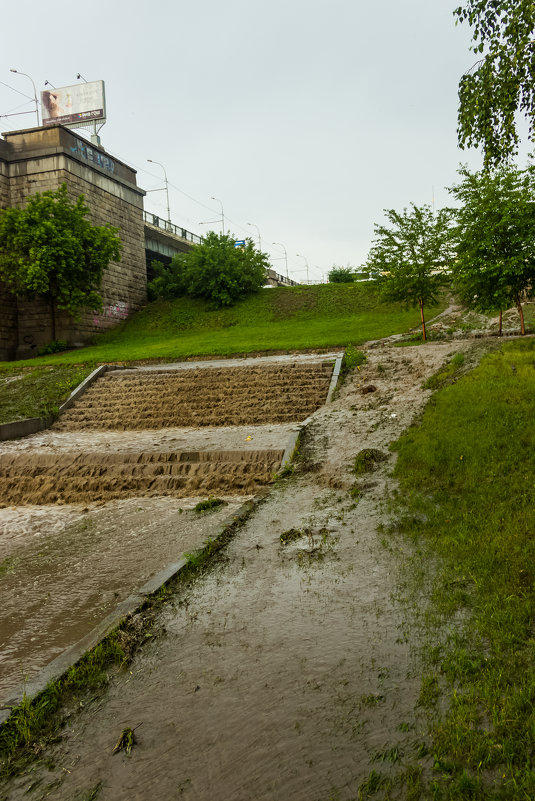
x,y
200,397
88,477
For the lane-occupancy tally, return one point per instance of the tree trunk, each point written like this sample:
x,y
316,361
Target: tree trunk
x,y
500,324
53,318
423,319
521,313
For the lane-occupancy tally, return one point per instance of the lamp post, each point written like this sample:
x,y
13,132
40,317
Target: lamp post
x,y
166,189
285,256
258,232
306,262
34,93
222,213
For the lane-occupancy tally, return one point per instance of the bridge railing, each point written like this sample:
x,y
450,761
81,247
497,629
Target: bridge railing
x,y
153,219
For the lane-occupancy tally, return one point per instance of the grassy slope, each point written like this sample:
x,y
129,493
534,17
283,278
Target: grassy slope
x,y
466,475
37,391
328,315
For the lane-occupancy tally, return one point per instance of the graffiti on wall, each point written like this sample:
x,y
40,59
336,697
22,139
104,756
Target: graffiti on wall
x,y
111,313
94,156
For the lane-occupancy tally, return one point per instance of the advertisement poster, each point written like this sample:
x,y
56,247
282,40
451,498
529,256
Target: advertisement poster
x,y
68,105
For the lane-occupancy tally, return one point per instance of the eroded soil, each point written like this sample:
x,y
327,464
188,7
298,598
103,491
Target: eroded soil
x,y
285,672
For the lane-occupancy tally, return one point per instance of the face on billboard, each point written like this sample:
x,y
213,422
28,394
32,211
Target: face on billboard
x,y
71,104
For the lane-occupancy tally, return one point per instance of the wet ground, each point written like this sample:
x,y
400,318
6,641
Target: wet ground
x,y
64,569
85,522
285,672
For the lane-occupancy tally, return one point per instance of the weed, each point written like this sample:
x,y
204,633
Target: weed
x,y
355,492
126,741
7,565
286,472
352,358
392,754
292,534
92,793
209,504
371,700
366,460
372,785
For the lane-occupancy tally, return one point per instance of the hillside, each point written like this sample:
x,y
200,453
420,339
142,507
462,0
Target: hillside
x,y
296,318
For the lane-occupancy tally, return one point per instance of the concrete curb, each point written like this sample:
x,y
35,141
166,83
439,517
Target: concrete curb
x,y
334,379
23,428
294,436
71,655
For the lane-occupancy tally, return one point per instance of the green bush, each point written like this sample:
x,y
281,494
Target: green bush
x,y
216,270
341,275
53,347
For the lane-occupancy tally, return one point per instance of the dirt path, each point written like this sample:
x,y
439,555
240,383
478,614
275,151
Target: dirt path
x,y
284,671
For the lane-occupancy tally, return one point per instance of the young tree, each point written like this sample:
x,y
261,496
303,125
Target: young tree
x,y
217,270
502,82
409,259
495,265
49,248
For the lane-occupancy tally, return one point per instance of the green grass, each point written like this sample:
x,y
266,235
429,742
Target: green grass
x,y
467,494
28,391
282,318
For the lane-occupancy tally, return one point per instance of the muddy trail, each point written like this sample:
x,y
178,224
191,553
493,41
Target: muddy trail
x,y
102,476
200,398
284,672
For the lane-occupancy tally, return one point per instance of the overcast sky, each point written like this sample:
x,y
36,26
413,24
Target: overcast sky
x,y
305,118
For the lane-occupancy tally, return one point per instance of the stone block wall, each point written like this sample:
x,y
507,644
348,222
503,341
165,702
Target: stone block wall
x,y
42,159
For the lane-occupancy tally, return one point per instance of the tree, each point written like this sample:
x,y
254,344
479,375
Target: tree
x,y
218,269
495,263
49,248
341,275
409,259
502,82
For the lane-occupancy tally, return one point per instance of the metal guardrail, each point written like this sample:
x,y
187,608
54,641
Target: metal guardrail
x,y
153,219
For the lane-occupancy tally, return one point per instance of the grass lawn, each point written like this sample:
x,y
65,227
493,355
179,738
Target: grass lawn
x,y
467,493
282,318
36,391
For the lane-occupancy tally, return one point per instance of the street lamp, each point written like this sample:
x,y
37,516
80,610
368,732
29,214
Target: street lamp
x,y
166,189
34,94
306,262
222,214
285,256
258,232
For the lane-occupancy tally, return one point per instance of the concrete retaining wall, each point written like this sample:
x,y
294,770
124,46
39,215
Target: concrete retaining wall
x,y
41,159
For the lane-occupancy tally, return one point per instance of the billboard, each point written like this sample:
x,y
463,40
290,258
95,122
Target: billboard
x,y
74,105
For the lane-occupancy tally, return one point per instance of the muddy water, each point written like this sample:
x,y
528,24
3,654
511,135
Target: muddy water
x,y
200,397
65,568
258,690
285,670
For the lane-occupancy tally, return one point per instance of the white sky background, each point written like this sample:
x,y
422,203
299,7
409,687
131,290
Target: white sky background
x,y
306,117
